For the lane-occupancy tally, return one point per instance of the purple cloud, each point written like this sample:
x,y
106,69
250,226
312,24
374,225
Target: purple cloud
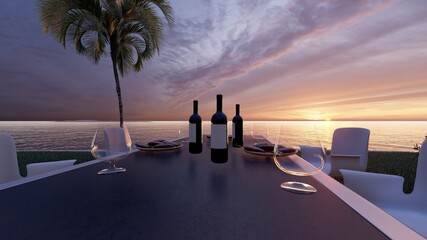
x,y
242,48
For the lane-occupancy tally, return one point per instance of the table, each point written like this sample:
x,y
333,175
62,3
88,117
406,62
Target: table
x,y
178,195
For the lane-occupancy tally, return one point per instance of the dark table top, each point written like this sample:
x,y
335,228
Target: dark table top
x,y
178,195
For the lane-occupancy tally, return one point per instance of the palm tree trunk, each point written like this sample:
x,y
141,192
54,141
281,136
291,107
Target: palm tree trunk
x,y
118,90
119,93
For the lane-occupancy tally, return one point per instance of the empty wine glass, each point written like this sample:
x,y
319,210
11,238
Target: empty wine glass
x,y
111,153
288,166
259,131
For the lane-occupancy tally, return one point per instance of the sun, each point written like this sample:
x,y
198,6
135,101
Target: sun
x,y
318,117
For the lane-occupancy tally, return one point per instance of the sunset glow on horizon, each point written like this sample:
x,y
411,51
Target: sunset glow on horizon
x,y
281,60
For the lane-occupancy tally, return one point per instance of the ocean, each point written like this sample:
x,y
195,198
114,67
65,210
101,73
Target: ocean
x,y
77,135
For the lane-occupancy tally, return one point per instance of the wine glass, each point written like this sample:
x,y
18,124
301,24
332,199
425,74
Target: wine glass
x,y
288,166
111,156
259,131
183,135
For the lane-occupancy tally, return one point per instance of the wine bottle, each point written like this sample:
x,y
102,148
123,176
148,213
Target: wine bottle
x,y
237,128
195,130
219,136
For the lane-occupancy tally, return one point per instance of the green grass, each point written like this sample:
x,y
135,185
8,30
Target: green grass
x,y
397,163
28,157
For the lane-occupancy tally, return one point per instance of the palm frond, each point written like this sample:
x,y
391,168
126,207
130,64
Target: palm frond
x,y
125,58
141,29
51,14
166,9
112,15
78,22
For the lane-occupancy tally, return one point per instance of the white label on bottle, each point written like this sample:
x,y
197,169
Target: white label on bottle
x,y
219,136
192,132
234,131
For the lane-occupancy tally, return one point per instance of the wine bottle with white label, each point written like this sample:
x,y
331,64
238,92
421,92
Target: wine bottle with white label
x,y
237,128
219,136
195,130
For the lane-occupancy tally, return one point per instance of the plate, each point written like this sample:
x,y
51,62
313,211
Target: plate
x,y
270,153
152,149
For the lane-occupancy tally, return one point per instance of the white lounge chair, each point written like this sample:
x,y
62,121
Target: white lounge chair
x,y
349,151
9,170
386,191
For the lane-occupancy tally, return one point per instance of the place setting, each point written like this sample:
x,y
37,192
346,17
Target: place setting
x,y
263,138
158,145
267,149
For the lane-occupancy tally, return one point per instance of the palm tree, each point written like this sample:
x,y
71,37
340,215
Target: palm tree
x,y
132,28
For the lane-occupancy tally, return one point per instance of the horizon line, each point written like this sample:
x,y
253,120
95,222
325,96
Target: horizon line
x,y
259,120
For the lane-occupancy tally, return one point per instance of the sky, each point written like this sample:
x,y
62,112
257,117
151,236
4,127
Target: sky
x,y
279,59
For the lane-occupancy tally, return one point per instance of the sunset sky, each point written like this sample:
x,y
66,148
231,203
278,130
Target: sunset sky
x,y
281,60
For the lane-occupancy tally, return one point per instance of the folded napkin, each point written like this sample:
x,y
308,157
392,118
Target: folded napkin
x,y
266,147
157,144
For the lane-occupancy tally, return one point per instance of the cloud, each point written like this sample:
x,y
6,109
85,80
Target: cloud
x,y
233,39
253,51
382,55
364,99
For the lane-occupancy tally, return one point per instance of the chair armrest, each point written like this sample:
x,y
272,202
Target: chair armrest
x,y
39,168
375,187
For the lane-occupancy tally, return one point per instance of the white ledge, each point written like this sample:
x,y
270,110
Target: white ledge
x,y
387,224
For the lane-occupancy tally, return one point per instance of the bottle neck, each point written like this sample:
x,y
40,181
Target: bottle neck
x,y
237,109
219,103
195,107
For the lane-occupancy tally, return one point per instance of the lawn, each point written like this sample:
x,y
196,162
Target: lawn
x,y
397,163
